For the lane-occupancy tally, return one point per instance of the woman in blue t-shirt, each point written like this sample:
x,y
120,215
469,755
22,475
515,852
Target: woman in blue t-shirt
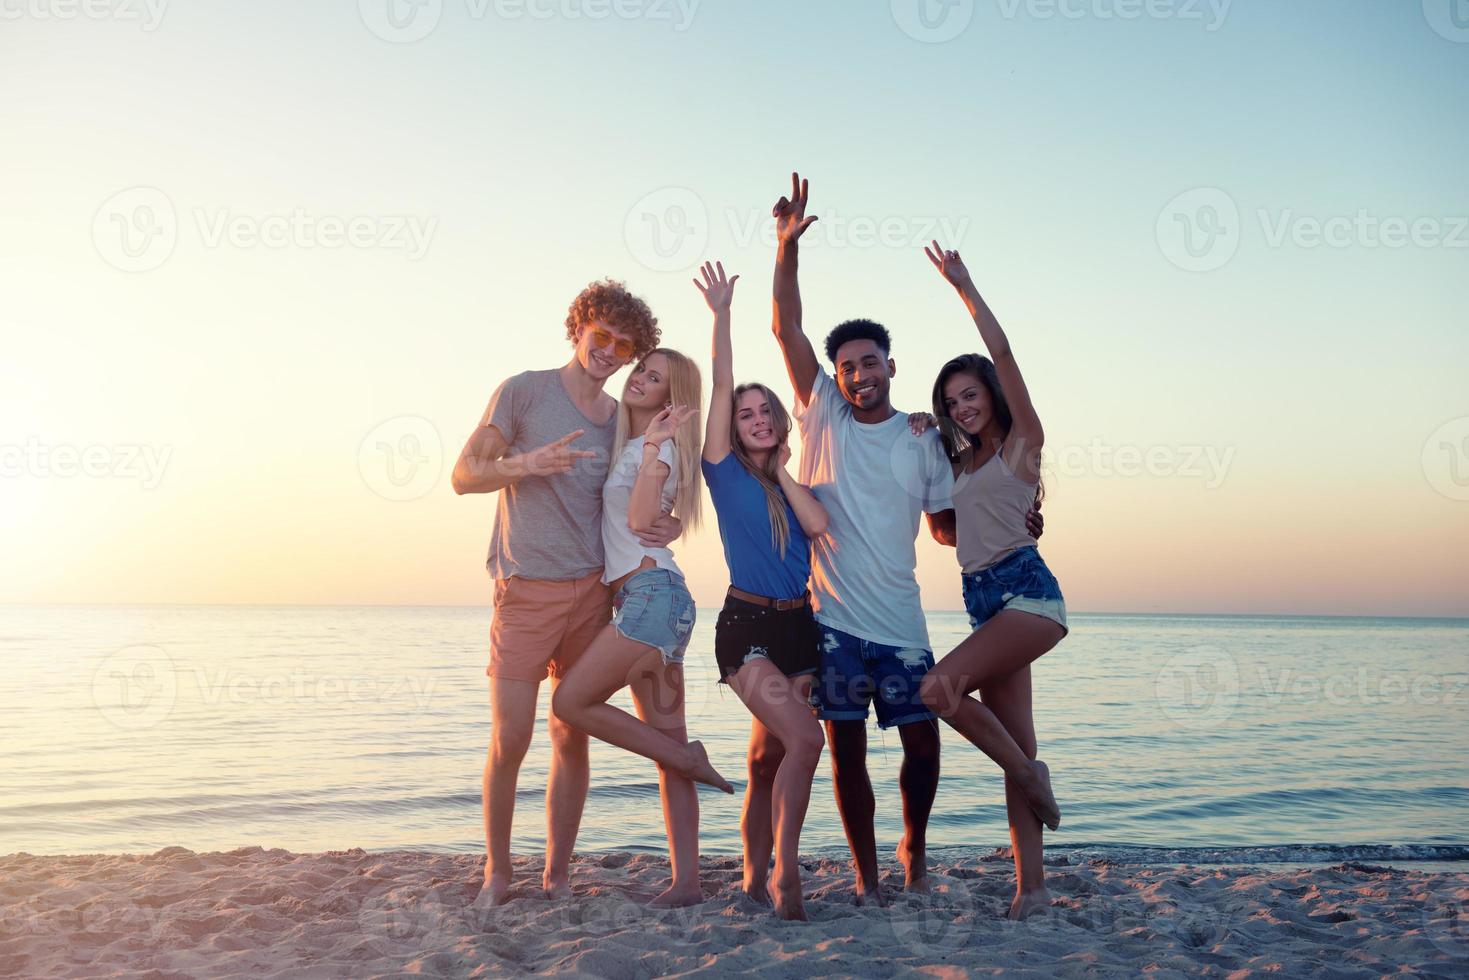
x,y
766,641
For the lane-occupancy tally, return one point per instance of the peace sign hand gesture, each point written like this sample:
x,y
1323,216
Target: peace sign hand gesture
x,y
557,457
666,423
718,289
790,213
949,264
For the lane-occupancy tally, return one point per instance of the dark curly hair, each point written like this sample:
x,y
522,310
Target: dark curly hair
x,y
857,330
609,301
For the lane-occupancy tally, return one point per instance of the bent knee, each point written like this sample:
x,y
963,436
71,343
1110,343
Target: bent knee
x,y
763,765
805,749
938,694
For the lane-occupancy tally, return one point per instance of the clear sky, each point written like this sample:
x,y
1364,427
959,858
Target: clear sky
x,y
264,263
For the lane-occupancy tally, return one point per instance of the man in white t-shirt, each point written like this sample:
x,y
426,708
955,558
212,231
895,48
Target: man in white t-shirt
x,y
875,477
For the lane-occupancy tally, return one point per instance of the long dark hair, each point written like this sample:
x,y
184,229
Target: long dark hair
x,y
959,445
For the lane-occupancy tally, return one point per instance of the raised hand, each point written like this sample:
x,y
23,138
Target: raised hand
x,y
666,423
555,458
785,453
949,264
718,289
790,213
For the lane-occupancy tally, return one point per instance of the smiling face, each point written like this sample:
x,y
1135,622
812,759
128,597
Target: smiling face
x,y
648,386
864,374
968,402
754,422
602,349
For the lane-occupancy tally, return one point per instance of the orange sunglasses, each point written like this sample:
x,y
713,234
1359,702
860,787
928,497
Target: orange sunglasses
x,y
621,346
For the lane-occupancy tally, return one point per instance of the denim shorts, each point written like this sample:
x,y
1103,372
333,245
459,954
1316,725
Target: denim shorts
x,y
788,638
654,607
856,672
1020,581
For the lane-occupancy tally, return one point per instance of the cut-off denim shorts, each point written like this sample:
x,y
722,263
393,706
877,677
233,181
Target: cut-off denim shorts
x,y
654,607
1020,581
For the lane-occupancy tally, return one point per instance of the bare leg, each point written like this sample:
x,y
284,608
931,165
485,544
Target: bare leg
x,y
512,719
605,668
780,705
757,828
658,694
1002,646
848,741
919,781
566,797
1009,698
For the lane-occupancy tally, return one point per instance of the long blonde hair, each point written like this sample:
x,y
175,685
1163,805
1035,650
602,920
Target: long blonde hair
x,y
685,387
775,498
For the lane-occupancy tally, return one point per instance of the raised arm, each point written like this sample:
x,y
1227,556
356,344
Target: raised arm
x,y
1023,449
718,292
790,224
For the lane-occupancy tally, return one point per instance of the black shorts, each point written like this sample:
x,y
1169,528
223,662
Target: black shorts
x,y
788,638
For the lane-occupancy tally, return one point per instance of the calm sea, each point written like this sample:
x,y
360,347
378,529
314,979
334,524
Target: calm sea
x,y
1208,739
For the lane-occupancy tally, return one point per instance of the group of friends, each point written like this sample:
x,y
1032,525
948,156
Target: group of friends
x,y
822,622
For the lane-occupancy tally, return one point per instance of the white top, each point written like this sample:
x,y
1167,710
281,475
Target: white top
x,y
990,505
875,480
624,551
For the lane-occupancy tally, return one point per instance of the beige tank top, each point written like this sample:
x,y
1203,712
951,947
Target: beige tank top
x,y
990,505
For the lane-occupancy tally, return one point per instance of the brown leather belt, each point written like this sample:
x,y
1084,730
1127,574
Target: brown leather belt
x,y
761,600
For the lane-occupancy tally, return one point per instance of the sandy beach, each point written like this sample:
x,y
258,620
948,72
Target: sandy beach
x,y
271,913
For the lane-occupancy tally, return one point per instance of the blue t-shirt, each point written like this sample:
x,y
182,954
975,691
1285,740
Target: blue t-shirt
x,y
744,525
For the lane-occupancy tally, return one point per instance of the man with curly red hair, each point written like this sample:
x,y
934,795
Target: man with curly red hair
x,y
545,444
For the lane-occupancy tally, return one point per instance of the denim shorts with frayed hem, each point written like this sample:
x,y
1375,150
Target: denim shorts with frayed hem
x,y
856,673
654,607
1019,581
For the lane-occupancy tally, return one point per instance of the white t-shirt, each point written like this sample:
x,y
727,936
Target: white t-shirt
x,y
624,551
875,480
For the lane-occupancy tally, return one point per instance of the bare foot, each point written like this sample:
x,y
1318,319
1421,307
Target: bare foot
x,y
869,894
700,770
1038,794
915,865
788,901
756,892
557,886
678,896
494,892
1028,903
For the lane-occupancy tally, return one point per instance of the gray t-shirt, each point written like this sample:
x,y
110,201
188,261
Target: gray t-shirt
x,y
548,527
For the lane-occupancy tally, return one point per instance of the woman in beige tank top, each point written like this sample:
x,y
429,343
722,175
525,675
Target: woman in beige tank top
x,y
993,438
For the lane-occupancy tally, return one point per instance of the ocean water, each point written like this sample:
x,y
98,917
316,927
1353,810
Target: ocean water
x,y
1170,738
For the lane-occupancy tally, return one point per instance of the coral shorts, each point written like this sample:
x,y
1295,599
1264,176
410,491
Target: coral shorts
x,y
543,626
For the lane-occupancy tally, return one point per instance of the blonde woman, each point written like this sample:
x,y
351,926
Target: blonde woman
x,y
655,468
